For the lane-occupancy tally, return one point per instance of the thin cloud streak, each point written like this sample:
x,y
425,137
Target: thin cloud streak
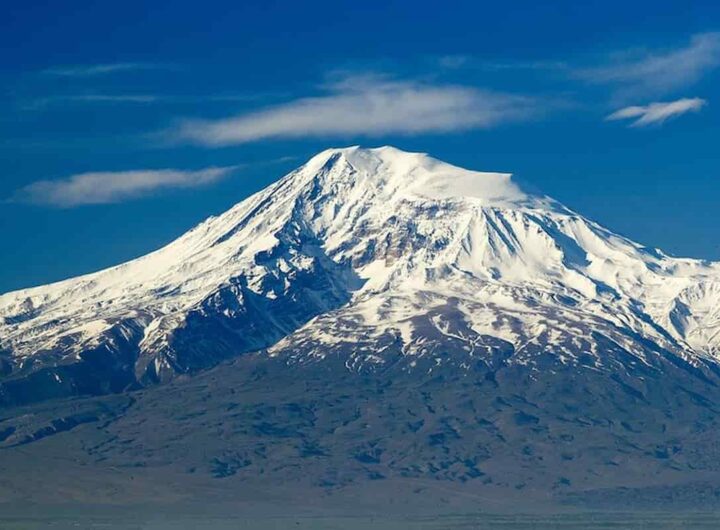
x,y
108,98
100,69
629,74
657,113
114,186
141,99
469,62
656,73
45,102
365,106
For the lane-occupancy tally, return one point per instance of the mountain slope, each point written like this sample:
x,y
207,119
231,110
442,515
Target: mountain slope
x,y
381,258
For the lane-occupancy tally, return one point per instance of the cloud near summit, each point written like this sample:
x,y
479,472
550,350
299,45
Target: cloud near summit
x,y
657,113
364,106
114,186
658,72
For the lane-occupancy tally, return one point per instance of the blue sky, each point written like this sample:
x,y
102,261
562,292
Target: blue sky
x,y
124,124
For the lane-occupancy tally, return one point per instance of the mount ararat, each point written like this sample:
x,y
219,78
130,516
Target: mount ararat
x,y
374,317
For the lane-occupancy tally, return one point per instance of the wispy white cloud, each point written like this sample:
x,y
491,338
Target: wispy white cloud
x,y
138,99
89,70
365,106
454,62
657,113
557,66
114,186
41,103
658,72
110,98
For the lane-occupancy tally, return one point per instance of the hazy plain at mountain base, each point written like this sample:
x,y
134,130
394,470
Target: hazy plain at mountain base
x,y
380,348
154,521
255,438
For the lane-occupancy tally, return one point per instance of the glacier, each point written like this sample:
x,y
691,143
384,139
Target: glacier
x,y
380,258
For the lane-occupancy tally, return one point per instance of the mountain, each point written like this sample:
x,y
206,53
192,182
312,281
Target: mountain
x,y
377,255
377,326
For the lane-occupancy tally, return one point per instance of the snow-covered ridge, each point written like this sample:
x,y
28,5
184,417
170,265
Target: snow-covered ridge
x,y
377,247
401,175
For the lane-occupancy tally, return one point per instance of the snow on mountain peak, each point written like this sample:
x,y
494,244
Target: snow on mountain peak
x,y
419,175
370,250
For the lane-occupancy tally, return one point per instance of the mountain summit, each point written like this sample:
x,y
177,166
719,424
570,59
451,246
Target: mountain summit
x,y
377,328
381,258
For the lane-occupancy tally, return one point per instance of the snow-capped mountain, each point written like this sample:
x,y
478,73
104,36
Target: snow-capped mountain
x,y
380,258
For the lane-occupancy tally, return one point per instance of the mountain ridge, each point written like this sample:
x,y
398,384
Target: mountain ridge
x,y
368,333
390,250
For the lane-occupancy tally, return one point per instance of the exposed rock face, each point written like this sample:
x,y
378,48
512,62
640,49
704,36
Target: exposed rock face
x,y
381,317
362,253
